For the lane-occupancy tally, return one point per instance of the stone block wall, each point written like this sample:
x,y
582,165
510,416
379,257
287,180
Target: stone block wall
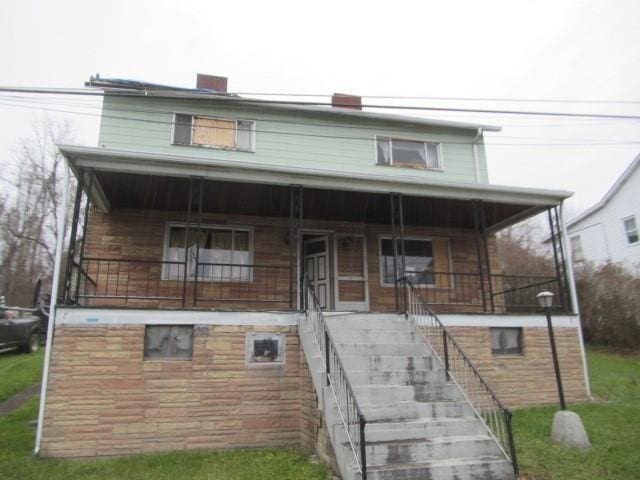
x,y
105,399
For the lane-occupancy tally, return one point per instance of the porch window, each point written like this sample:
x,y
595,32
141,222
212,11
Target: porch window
x,y
506,341
212,132
418,261
223,254
168,342
408,153
631,230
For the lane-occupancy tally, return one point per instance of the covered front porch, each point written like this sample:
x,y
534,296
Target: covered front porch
x,y
146,234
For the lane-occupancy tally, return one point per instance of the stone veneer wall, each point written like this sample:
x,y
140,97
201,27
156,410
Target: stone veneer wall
x,y
104,399
527,379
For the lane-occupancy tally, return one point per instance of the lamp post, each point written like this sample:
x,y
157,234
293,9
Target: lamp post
x,y
545,300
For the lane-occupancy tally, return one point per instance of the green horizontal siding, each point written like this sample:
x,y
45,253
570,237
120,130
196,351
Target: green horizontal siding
x,y
144,124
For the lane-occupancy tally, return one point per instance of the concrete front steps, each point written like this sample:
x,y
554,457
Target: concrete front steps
x,y
418,425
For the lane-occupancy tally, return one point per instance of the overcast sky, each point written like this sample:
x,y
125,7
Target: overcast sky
x,y
513,49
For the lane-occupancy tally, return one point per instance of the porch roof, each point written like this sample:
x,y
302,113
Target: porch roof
x,y
127,179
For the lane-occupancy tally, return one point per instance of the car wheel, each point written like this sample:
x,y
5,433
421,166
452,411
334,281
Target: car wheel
x,y
33,345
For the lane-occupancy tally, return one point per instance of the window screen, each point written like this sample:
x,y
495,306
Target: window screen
x,y
265,348
406,152
383,150
418,261
631,229
506,341
168,342
182,129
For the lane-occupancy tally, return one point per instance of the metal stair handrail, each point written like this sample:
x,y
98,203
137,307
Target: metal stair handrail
x,y
458,368
350,412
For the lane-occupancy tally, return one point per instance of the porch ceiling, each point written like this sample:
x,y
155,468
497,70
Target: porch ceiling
x,y
125,190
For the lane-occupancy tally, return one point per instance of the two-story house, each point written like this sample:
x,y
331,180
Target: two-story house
x,y
610,230
250,273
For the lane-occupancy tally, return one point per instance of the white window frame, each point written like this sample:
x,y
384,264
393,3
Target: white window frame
x,y
210,226
390,237
626,232
252,148
439,168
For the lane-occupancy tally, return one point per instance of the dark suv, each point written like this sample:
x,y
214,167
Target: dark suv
x,y
24,328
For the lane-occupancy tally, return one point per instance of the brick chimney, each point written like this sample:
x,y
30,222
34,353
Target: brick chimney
x,y
342,100
211,82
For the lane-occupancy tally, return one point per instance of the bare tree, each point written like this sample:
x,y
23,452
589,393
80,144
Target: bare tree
x,y
29,211
521,249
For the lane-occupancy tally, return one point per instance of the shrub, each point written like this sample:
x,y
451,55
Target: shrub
x,y
609,298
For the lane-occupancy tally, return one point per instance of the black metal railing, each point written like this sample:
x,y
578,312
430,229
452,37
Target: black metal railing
x,y
241,283
121,282
459,369
517,293
351,415
469,291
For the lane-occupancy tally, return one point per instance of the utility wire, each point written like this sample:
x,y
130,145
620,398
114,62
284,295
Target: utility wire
x,y
323,136
166,93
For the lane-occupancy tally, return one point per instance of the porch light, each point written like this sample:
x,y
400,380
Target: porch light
x,y
545,299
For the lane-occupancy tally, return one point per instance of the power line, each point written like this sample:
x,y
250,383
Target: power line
x,y
570,142
164,93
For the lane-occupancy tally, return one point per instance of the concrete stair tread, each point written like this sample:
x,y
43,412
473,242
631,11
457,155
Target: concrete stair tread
x,y
442,439
462,461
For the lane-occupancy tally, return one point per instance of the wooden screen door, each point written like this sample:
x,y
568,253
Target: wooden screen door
x,y
316,266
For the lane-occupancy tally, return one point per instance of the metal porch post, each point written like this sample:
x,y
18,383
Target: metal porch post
x,y
186,245
66,292
554,244
479,255
195,282
295,251
84,234
563,262
399,272
483,220
394,246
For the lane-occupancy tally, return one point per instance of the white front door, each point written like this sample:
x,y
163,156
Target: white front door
x,y
316,267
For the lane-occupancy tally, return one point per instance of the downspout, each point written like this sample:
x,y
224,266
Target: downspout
x,y
474,147
52,305
564,238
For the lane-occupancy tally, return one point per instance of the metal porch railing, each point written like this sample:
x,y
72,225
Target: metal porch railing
x,y
459,369
351,415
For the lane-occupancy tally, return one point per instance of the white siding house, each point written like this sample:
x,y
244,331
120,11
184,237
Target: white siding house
x,y
610,230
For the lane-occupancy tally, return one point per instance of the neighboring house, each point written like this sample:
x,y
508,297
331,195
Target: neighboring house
x,y
610,230
259,274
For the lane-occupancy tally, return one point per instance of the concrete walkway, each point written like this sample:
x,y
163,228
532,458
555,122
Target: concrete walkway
x,y
19,399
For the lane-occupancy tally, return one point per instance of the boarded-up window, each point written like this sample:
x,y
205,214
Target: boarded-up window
x,y
506,341
265,347
168,342
213,132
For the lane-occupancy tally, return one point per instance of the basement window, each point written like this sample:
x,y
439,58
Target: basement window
x,y
506,341
267,348
408,153
631,229
214,132
168,342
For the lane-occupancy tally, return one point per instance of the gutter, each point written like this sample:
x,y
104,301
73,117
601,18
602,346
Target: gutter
x,y
52,306
474,148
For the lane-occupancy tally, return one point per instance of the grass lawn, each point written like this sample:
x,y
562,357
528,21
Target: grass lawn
x,y
613,426
19,371
17,438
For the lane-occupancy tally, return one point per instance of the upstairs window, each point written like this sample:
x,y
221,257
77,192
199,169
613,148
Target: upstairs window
x,y
576,249
212,132
631,230
408,153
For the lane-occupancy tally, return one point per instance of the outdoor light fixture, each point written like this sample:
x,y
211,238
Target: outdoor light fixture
x,y
545,300
567,427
